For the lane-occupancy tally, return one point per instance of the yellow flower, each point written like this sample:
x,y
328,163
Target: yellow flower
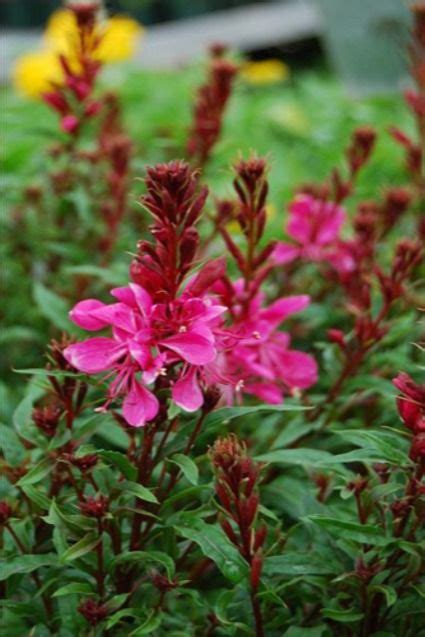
x,y
34,73
265,72
119,39
118,36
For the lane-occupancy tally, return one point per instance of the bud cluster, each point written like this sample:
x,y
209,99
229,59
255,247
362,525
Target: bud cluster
x,y
175,202
210,103
236,484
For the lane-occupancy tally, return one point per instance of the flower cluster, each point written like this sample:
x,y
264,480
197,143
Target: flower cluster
x,y
262,362
188,336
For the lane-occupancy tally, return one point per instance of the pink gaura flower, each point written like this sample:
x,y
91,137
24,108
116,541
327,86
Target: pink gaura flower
x,y
314,224
261,361
148,340
411,402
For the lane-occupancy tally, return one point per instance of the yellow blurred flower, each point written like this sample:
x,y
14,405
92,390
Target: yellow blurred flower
x,y
119,39
265,72
118,36
35,72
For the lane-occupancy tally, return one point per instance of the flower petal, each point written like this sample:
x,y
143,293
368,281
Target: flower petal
x,y
192,347
280,309
298,370
82,316
117,314
268,392
186,392
284,253
140,405
94,355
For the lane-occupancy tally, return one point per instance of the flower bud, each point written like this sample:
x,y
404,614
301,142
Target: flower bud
x,y
5,512
93,611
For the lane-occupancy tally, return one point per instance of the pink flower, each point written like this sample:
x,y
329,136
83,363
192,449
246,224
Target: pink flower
x,y
148,340
314,224
260,361
411,402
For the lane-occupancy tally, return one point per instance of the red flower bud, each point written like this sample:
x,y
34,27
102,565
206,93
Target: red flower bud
x,y
5,512
256,568
70,124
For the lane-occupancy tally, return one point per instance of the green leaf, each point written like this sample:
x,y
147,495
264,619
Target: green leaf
x,y
301,631
10,445
52,306
188,467
25,564
226,414
388,591
300,456
37,473
120,461
120,614
381,445
345,616
75,588
344,529
153,622
83,546
148,556
296,563
214,544
75,523
132,488
36,496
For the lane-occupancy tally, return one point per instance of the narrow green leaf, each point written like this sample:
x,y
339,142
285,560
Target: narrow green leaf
x,y
37,496
120,461
25,564
153,622
344,529
75,588
83,546
52,306
389,593
292,564
132,488
188,467
345,616
37,473
147,556
215,545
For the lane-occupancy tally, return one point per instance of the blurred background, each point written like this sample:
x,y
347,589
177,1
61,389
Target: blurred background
x,y
363,40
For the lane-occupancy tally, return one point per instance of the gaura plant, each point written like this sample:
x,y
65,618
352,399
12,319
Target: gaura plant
x,y
188,468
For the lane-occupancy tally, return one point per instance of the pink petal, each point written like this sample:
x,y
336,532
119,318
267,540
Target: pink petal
x,y
94,355
332,218
284,253
82,316
280,309
117,314
192,347
186,392
140,405
268,392
142,298
298,370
